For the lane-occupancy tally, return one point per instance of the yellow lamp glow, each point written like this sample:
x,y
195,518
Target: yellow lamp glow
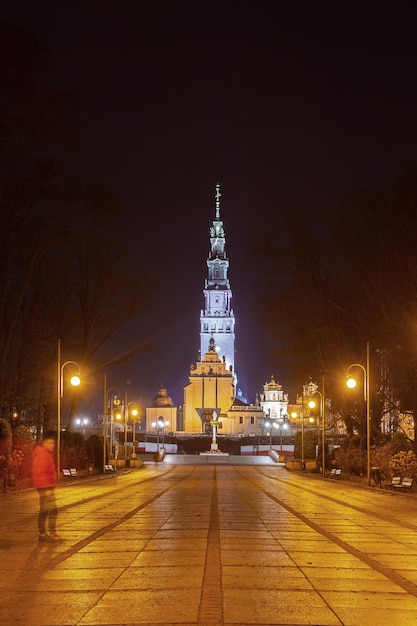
x,y
351,383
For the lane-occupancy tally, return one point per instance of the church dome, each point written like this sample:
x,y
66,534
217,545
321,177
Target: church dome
x,y
162,398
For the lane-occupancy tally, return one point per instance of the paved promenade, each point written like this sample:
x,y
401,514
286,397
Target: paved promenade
x,y
193,543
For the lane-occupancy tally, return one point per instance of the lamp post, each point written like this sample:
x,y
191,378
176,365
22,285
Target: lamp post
x,y
270,424
312,405
126,416
75,380
134,413
294,416
302,435
159,426
283,426
83,421
116,396
351,383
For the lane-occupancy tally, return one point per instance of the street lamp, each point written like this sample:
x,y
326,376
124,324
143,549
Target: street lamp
x,y
115,400
83,421
270,424
312,405
134,413
294,416
75,381
283,426
351,383
126,416
159,425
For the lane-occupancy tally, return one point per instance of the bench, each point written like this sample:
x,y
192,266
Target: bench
x,y
395,482
335,473
72,473
109,468
405,485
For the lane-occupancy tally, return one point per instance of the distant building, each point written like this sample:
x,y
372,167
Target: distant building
x,y
212,379
162,406
217,320
211,388
273,401
270,411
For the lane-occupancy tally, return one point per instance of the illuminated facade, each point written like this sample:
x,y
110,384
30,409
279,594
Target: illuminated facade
x,y
217,320
210,389
162,406
212,380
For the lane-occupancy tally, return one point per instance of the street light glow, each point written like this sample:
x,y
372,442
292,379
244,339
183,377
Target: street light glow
x,y
351,383
75,380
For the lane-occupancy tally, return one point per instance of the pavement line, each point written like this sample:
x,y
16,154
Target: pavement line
x,y
62,556
354,507
65,507
392,575
210,611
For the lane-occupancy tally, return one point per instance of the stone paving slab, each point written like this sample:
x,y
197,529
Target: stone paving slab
x,y
209,546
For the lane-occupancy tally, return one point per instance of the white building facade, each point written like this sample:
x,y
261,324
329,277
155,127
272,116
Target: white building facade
x,y
217,319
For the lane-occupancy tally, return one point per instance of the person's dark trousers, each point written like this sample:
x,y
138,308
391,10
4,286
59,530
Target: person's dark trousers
x,y
47,510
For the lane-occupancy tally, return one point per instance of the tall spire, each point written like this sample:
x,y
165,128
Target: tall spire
x,y
217,319
218,196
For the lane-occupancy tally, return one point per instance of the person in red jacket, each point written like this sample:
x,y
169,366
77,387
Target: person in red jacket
x,y
45,480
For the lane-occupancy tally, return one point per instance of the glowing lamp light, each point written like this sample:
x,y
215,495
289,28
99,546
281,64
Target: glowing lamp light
x,y
351,383
312,404
135,412
75,380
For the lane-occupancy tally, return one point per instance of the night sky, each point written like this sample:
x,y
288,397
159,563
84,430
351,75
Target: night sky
x,y
288,105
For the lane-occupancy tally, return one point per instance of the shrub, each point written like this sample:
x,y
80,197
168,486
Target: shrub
x,y
74,457
381,457
23,444
399,443
351,460
310,443
404,464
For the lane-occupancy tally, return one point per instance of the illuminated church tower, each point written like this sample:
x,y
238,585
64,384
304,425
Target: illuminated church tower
x,y
212,380
217,320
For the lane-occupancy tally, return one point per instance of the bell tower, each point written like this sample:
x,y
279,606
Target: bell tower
x,y
217,321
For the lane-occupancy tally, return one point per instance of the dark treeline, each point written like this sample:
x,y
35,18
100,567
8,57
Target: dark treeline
x,y
338,280
62,273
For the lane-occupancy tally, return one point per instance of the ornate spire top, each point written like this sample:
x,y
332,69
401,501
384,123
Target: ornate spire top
x,y
218,196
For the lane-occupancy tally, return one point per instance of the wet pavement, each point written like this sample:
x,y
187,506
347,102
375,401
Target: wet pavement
x,y
187,542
